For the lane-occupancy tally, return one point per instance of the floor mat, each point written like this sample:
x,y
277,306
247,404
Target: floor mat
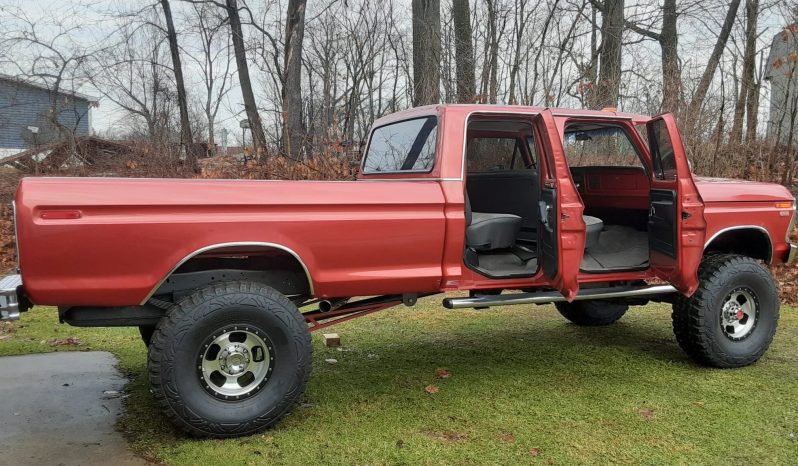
x,y
618,248
506,263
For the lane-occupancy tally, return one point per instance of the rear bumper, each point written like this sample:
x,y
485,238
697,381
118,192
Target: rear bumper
x,y
10,291
792,254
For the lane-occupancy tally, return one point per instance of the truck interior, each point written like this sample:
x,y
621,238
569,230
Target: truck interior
x,y
503,192
612,180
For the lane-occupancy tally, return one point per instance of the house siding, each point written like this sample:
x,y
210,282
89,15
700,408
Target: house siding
x,y
23,105
780,71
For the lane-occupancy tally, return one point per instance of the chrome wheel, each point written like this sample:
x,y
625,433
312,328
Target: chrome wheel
x,y
739,314
235,362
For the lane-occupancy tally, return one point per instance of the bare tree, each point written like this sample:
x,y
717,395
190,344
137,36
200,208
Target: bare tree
x,y
706,78
747,81
466,84
426,51
253,117
294,131
186,139
213,58
608,87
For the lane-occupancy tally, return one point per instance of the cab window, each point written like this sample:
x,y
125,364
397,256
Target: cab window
x,y
486,154
606,146
406,146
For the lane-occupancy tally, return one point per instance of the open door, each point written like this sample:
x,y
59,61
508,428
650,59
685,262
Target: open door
x,y
561,226
676,225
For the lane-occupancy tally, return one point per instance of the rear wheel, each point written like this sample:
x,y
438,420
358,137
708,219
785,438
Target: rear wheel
x,y
230,360
731,319
592,313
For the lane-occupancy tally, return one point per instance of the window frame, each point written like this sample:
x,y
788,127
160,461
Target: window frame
x,y
398,172
519,154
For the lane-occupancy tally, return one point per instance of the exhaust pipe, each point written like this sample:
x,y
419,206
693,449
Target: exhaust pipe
x,y
546,297
331,305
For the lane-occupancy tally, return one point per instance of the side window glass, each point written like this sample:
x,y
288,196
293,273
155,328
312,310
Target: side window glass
x,y
406,146
496,154
662,152
607,146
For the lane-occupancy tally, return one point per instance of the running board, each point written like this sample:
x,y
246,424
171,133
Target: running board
x,y
545,297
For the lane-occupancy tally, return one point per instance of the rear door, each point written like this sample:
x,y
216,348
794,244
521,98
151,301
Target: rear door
x,y
676,225
561,226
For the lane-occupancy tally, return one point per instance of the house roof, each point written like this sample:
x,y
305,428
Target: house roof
x,y
27,82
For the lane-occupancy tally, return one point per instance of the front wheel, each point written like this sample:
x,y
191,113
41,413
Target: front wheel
x,y
230,360
731,319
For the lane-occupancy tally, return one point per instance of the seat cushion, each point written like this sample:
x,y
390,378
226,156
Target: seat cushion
x,y
593,228
489,231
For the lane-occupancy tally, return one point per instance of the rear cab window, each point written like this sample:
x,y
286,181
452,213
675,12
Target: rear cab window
x,y
403,147
607,146
487,154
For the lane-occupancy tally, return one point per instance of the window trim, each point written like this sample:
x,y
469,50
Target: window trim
x,y
395,172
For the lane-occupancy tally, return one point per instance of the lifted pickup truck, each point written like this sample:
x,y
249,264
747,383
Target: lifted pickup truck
x,y
591,210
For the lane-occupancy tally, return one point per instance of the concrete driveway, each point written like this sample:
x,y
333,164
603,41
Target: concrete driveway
x,y
60,409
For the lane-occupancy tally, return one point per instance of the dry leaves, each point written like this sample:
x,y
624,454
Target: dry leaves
x,y
534,451
447,436
507,437
431,389
646,413
64,342
442,373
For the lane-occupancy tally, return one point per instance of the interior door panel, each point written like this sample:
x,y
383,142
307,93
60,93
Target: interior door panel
x,y
549,235
662,225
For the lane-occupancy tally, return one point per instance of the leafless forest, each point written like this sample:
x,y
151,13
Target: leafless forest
x,y
311,76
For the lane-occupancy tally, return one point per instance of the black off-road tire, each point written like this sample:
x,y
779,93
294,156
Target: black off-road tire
x,y
697,321
146,332
176,355
592,313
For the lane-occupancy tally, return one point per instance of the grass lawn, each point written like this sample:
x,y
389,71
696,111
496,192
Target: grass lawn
x,y
524,386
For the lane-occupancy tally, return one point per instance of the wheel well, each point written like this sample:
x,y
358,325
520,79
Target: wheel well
x,y
271,265
750,242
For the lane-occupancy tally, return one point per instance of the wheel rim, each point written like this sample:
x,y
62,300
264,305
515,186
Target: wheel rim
x,y
739,313
235,362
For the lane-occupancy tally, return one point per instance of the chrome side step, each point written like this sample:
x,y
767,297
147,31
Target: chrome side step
x,y
545,297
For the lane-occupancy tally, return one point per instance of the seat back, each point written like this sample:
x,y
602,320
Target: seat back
x,y
506,192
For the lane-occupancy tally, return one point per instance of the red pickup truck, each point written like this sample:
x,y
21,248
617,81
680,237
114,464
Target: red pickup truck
x,y
591,210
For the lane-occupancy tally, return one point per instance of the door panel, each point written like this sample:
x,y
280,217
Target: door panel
x,y
676,217
563,230
549,233
662,225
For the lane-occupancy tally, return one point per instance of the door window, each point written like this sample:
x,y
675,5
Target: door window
x,y
662,152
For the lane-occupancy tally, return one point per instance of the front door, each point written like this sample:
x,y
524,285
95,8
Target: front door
x,y
561,226
676,225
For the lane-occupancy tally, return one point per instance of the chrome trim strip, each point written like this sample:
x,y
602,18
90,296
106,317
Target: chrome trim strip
x,y
545,297
743,227
228,245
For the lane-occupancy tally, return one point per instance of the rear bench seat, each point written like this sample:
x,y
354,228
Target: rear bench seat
x,y
507,192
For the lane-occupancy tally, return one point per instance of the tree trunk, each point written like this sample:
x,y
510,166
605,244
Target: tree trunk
x,y
464,49
293,127
186,139
426,51
749,67
255,125
752,103
671,71
706,79
609,79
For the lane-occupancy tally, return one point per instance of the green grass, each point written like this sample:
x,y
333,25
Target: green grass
x,y
522,378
